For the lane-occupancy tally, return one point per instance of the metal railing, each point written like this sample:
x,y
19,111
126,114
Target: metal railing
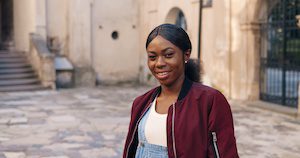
x,y
280,54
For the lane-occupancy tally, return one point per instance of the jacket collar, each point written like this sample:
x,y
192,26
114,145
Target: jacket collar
x,y
186,86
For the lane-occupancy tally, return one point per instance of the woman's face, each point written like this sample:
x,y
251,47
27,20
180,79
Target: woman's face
x,y
166,61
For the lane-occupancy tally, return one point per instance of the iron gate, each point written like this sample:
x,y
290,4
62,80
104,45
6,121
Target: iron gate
x,y
280,54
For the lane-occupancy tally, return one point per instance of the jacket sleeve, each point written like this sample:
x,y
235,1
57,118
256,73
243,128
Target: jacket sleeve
x,y
130,131
221,139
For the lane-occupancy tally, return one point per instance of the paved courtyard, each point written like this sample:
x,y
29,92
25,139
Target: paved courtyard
x,y
92,123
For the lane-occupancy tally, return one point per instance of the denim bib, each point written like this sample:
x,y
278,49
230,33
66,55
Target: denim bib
x,y
145,149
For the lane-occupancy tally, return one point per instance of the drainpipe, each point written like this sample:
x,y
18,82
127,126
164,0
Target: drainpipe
x,y
200,29
230,49
298,114
298,106
92,31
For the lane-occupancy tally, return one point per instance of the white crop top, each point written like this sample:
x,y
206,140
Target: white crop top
x,y
156,127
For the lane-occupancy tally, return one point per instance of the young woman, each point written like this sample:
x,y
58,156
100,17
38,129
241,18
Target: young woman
x,y
181,118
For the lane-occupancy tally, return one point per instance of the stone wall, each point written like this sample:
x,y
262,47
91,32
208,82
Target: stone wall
x,y
115,43
105,39
82,31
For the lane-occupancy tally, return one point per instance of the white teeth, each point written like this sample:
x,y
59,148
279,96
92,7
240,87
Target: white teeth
x,y
162,73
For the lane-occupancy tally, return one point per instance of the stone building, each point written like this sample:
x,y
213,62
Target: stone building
x,y
104,39
98,37
253,45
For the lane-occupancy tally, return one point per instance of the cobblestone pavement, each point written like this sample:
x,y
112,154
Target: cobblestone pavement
x,y
92,123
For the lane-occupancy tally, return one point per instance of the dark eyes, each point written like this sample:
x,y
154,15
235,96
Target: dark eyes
x,y
169,55
151,57
166,55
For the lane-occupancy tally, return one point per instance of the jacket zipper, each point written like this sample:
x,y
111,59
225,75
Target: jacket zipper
x,y
173,130
215,146
135,130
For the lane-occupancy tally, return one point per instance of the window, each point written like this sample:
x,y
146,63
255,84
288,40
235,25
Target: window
x,y
180,20
206,3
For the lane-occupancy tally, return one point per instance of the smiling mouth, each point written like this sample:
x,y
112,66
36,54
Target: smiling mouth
x,y
162,75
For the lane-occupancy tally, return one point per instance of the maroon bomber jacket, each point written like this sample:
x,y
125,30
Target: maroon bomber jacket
x,y
199,124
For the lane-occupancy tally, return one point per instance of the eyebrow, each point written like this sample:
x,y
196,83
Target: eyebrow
x,y
164,50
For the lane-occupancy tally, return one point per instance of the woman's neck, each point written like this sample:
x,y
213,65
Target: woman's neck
x,y
172,90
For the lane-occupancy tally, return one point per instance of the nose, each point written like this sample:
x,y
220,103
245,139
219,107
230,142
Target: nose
x,y
160,62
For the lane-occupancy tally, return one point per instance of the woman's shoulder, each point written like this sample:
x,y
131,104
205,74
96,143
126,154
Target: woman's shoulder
x,y
208,92
209,95
200,88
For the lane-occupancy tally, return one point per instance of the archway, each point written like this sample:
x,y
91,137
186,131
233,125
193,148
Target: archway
x,y
176,16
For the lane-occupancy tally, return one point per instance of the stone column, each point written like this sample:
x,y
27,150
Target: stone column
x,y
252,32
40,15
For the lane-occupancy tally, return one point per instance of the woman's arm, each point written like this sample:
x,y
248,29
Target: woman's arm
x,y
221,139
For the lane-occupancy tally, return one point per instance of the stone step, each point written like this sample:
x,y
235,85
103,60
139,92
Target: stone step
x,y
10,55
12,60
3,51
16,70
13,82
17,76
16,88
14,65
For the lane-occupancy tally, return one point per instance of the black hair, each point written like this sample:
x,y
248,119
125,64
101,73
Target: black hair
x,y
177,36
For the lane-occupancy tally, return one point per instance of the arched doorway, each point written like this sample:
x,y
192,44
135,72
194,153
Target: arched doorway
x,y
176,16
280,54
6,23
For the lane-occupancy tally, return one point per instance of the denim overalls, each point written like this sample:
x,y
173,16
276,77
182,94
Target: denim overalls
x,y
146,150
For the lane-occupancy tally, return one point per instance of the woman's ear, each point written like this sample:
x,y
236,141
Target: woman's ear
x,y
187,55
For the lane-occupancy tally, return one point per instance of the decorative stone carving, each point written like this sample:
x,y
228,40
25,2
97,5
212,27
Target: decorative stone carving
x,y
253,26
298,18
54,45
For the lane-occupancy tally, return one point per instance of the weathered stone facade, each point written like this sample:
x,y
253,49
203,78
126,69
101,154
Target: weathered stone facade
x,y
105,39
82,31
